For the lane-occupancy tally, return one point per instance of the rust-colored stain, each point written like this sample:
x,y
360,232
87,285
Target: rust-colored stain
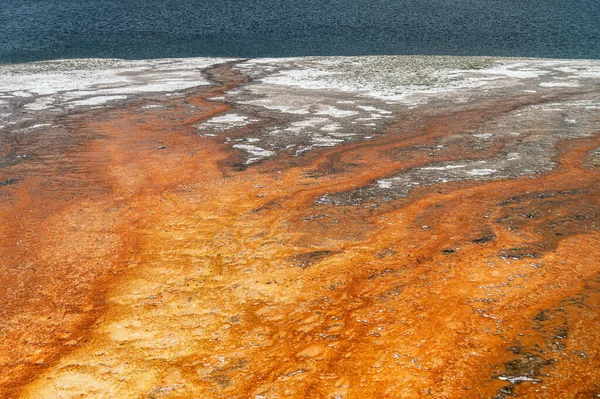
x,y
145,266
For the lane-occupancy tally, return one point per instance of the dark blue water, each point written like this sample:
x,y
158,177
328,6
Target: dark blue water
x,y
137,29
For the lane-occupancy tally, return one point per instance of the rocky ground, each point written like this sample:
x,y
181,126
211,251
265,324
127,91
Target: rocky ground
x,y
366,227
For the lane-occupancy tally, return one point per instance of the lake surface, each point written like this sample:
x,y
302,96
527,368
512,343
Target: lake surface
x,y
50,29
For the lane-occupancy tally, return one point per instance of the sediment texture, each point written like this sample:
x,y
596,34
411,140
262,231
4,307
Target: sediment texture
x,y
379,227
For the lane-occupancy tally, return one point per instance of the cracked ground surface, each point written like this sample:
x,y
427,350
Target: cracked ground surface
x,y
367,227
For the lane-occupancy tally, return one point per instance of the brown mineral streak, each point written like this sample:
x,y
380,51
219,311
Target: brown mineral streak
x,y
177,276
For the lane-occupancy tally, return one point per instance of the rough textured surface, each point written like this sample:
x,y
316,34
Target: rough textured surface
x,y
372,227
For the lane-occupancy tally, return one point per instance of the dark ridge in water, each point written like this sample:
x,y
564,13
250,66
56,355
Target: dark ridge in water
x,y
49,29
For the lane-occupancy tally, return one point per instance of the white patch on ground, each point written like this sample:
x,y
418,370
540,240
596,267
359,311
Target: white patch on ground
x,y
99,100
152,106
518,379
325,141
307,78
484,136
39,104
482,172
447,167
39,125
550,107
519,70
332,127
387,183
303,149
224,122
373,109
64,80
21,93
256,153
345,134
585,104
335,112
559,84
307,123
229,118
275,105
582,69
